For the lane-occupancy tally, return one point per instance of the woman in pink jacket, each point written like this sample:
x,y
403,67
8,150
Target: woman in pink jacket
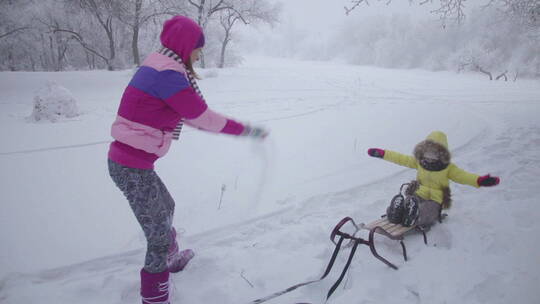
x,y
162,95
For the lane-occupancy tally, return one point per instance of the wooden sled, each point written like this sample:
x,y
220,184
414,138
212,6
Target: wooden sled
x,y
380,226
392,231
383,227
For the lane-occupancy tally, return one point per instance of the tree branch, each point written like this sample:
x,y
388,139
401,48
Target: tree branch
x,y
81,41
356,3
13,31
447,9
218,8
478,68
195,4
503,74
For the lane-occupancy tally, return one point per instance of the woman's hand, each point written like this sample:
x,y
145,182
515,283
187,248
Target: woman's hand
x,y
255,132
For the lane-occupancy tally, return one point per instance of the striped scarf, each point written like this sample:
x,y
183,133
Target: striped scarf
x,y
169,53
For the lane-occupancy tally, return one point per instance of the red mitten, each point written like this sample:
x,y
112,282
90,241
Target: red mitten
x,y
376,152
488,181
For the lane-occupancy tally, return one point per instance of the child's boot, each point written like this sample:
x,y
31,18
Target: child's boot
x,y
177,260
155,287
395,211
411,211
181,259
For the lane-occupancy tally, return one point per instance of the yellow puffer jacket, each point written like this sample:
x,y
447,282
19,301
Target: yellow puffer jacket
x,y
434,185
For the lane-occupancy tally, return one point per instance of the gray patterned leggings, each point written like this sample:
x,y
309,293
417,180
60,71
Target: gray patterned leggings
x,y
153,207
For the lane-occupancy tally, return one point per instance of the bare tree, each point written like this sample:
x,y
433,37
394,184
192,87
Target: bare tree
x,y
448,9
204,11
227,21
58,45
525,12
48,17
8,24
14,28
60,34
13,31
502,75
102,12
137,13
245,11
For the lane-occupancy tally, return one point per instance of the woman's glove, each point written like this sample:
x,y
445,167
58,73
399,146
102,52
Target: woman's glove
x,y
254,132
375,152
488,180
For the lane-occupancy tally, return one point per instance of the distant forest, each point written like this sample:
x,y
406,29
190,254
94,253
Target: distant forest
x,y
57,35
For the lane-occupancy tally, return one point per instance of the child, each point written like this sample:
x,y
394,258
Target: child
x,y
161,95
432,161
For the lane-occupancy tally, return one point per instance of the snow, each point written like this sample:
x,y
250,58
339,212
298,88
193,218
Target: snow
x,y
68,235
53,102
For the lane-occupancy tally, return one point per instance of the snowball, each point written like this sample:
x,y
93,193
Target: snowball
x,y
53,102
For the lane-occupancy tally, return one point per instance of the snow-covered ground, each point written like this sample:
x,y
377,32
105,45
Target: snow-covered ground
x,y
67,234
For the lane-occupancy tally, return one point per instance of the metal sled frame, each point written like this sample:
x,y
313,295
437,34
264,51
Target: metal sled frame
x,y
382,227
391,231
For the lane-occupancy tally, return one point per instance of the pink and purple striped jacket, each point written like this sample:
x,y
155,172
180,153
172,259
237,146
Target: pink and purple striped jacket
x,y
157,98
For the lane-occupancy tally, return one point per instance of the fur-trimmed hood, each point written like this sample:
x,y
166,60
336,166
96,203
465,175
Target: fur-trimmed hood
x,y
432,154
436,148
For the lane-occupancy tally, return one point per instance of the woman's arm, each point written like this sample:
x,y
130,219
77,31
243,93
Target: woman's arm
x,y
176,92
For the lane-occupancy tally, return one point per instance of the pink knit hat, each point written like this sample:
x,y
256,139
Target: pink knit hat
x,y
182,35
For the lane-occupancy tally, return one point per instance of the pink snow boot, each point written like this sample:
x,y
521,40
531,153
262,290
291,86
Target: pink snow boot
x,y
155,287
177,260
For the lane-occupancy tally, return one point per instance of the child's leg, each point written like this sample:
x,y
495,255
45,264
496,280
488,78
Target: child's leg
x,y
428,212
153,207
173,246
420,212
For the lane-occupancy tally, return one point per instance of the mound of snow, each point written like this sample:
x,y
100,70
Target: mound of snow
x,y
53,102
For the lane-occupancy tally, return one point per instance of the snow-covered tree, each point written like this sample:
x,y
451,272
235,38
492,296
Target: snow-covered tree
x,y
136,14
73,34
12,30
204,11
245,12
8,24
499,38
447,9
